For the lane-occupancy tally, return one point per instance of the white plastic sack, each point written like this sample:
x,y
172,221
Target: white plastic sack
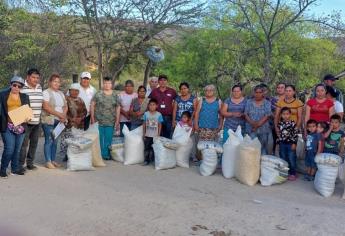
x,y
209,161
165,158
230,153
134,145
210,145
327,172
248,162
79,159
341,172
117,149
273,170
182,137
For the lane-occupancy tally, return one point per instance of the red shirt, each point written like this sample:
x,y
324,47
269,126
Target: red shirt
x,y
320,111
165,100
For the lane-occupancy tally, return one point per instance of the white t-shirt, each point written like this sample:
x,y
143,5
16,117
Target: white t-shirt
x,y
125,101
59,100
338,107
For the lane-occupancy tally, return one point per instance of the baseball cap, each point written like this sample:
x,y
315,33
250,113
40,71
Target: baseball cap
x,y
329,77
74,86
85,74
17,79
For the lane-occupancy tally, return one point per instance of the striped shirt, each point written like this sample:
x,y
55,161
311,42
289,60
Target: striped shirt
x,y
36,100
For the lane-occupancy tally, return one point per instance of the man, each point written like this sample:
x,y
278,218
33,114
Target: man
x,y
33,89
153,83
165,97
86,93
329,80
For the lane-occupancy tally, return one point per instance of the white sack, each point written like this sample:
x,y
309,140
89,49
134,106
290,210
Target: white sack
x,y
79,159
182,137
300,148
165,158
209,161
274,170
134,146
230,153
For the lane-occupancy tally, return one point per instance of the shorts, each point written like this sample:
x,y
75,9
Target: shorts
x,y
310,160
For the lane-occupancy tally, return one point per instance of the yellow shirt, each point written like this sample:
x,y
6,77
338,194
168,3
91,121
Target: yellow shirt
x,y
294,105
13,102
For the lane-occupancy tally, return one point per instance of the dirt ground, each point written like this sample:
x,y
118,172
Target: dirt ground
x,y
136,200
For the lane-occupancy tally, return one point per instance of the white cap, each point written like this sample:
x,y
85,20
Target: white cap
x,y
85,74
75,86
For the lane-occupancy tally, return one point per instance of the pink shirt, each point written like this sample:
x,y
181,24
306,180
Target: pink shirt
x,y
125,102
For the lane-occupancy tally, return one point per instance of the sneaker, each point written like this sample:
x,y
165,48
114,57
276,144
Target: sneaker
x,y
22,169
3,175
146,163
57,165
18,173
31,167
292,177
306,177
49,165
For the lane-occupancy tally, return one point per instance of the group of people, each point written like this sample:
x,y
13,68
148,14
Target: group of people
x,y
275,120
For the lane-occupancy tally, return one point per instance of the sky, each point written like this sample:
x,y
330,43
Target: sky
x,y
328,6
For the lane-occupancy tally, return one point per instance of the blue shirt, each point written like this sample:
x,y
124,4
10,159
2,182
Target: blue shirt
x,y
233,122
312,143
256,113
184,105
209,114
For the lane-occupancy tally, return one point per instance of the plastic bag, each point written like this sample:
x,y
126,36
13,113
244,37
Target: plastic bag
x,y
182,137
248,162
209,161
134,146
231,152
79,159
300,148
165,158
273,170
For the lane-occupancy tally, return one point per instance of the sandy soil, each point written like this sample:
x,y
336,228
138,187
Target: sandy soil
x,y
136,200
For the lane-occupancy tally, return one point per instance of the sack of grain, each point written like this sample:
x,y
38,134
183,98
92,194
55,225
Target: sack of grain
x,y
326,174
117,149
182,137
209,161
248,162
134,145
165,158
274,170
230,153
79,154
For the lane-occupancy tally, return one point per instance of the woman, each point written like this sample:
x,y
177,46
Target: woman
x,y
125,98
233,111
138,108
54,111
332,94
257,113
105,109
208,120
76,114
185,102
12,136
319,108
295,105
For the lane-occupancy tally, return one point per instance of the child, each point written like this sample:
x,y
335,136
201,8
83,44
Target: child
x,y
314,145
151,128
287,139
322,128
186,121
334,136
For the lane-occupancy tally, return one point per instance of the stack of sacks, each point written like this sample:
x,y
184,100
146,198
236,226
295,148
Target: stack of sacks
x,y
134,146
117,149
92,133
185,145
79,153
231,152
327,171
273,170
209,154
165,153
248,162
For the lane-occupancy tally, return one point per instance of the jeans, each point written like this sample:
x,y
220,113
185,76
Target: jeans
x,y
31,136
50,144
105,139
167,127
122,124
264,140
289,155
12,145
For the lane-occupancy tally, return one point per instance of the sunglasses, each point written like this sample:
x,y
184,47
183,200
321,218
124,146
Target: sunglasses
x,y
17,86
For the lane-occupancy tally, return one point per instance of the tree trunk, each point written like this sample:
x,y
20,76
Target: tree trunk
x,y
267,64
147,72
